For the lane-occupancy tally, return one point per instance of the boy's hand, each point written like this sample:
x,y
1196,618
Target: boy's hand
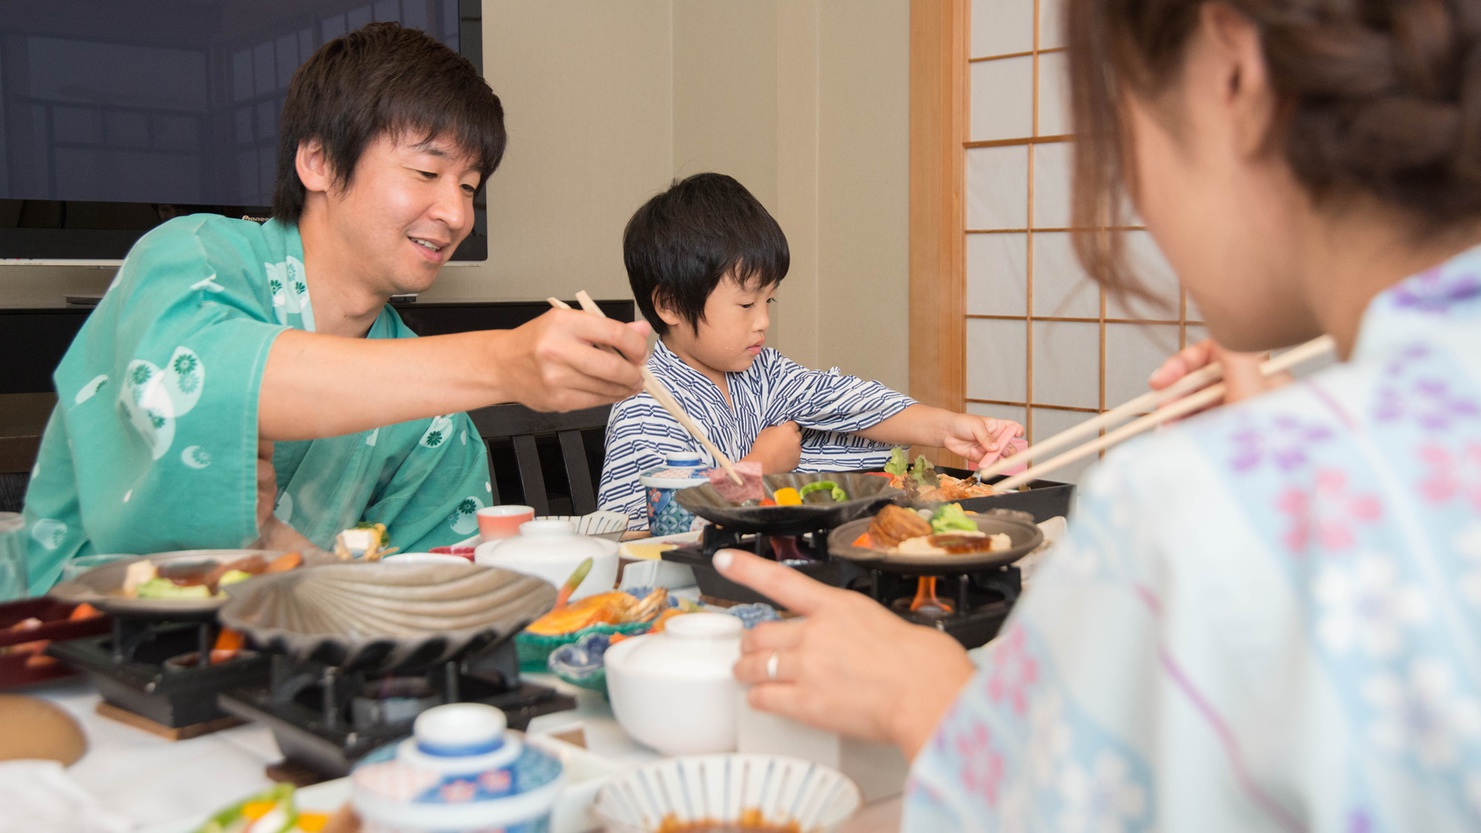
x,y
976,438
565,360
778,448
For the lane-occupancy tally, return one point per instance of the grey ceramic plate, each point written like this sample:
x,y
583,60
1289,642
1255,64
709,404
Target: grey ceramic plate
x,y
102,587
384,617
1019,526
866,494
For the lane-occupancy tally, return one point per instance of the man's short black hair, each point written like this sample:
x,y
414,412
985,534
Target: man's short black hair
x,y
383,79
681,243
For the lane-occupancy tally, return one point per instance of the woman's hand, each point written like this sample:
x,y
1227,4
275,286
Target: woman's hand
x,y
1242,377
777,448
849,665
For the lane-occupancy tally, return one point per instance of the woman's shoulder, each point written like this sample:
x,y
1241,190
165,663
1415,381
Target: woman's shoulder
x,y
1354,456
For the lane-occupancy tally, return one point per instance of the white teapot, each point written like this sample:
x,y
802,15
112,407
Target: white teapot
x,y
675,690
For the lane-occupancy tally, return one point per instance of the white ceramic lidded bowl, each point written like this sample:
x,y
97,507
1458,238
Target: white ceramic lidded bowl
x,y
551,550
681,470
460,771
675,690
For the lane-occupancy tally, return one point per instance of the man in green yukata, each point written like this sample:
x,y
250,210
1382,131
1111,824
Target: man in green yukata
x,y
246,384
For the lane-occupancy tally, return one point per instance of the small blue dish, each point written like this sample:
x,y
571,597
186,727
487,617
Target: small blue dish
x,y
581,663
754,614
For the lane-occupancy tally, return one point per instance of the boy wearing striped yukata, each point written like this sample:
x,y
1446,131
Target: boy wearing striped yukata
x,y
704,259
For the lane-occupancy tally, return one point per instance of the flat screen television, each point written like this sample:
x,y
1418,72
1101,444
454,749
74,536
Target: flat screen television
x,y
117,115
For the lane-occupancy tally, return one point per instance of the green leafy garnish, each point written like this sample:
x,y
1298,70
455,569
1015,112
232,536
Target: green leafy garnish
x,y
899,463
924,471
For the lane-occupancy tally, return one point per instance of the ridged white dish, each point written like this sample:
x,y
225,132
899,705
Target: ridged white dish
x,y
721,788
385,617
599,524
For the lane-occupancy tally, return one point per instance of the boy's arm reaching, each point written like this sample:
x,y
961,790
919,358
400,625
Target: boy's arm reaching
x,y
973,437
777,449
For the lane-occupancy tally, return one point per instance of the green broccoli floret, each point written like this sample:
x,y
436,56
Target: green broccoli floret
x,y
951,518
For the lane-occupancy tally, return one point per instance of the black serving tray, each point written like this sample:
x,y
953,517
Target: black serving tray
x,y
1044,499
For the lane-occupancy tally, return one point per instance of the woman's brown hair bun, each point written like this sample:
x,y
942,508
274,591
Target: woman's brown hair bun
x,y
1378,97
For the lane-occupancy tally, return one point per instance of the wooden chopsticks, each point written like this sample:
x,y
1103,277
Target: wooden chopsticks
x,y
661,393
1170,403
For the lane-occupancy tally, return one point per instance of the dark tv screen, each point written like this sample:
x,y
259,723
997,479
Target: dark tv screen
x,y
117,115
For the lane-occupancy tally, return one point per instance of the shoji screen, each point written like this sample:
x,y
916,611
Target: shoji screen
x,y
1042,344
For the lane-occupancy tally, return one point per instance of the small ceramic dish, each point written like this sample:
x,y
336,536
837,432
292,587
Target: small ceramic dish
x,y
580,663
102,587
534,649
598,524
732,791
583,662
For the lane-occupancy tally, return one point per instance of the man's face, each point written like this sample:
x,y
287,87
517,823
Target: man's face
x,y
407,207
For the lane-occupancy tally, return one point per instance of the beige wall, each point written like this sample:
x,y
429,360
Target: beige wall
x,y
804,101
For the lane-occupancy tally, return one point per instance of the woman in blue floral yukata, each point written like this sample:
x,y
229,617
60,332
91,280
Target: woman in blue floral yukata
x,y
1269,616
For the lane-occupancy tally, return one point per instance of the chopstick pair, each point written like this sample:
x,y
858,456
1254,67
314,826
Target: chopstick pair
x,y
661,393
1178,399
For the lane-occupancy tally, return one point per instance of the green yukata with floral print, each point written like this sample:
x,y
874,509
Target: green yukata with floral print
x,y
153,443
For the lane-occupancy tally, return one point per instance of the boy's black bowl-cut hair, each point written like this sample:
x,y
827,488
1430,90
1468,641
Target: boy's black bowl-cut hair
x,y
684,241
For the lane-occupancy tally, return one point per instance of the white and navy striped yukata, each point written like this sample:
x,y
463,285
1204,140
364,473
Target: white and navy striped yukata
x,y
826,404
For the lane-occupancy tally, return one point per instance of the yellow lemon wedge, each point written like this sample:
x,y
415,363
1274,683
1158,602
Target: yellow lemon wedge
x,y
647,550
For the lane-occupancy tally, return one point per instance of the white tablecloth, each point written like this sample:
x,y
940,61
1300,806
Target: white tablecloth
x,y
164,785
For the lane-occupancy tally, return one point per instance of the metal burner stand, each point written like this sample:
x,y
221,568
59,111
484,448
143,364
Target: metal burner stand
x,y
132,669
310,706
980,601
809,557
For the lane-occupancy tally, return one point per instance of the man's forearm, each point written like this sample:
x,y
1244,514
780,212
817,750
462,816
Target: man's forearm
x,y
324,386
319,385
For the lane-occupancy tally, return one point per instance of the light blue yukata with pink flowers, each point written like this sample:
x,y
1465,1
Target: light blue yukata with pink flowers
x,y
153,444
1267,618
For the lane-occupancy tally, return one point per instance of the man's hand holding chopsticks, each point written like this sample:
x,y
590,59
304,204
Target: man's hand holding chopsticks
x,y
548,364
